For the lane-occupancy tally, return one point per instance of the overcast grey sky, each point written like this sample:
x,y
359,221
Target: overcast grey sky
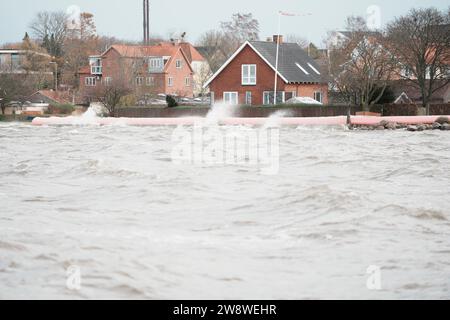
x,y
123,19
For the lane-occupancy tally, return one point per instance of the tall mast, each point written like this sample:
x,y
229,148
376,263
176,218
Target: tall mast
x,y
146,12
276,62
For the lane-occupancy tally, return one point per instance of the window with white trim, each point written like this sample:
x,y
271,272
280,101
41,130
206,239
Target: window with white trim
x,y
318,96
139,81
155,64
90,81
248,98
187,81
179,64
230,98
268,97
170,81
150,81
107,81
248,74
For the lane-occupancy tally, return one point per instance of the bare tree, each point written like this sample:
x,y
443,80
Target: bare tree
x,y
13,87
421,41
361,68
78,46
219,45
216,50
88,30
35,63
293,38
201,78
111,95
242,27
50,28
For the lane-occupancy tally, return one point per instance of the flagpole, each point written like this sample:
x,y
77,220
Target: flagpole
x,y
280,13
276,60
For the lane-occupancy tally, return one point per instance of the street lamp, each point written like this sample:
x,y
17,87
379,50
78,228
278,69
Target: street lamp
x,y
56,75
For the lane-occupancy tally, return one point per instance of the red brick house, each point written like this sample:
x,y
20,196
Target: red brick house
x,y
163,68
248,77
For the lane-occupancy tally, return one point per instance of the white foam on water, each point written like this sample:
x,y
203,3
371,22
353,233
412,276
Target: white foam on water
x,y
273,121
219,112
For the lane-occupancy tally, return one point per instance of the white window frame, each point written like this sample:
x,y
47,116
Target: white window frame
x,y
170,81
248,94
90,81
179,64
283,98
321,96
229,100
155,64
139,81
246,75
187,81
96,65
150,81
107,81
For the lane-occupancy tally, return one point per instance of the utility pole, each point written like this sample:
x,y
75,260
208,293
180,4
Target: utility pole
x,y
56,75
146,13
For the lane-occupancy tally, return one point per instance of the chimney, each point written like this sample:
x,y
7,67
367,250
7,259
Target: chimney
x,y
278,38
146,22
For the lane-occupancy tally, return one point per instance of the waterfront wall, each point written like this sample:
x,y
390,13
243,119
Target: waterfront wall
x,y
291,111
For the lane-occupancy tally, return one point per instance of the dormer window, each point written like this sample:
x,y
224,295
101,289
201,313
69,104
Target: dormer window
x,y
156,64
96,65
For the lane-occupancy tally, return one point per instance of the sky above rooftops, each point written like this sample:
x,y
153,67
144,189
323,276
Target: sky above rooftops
x,y
123,19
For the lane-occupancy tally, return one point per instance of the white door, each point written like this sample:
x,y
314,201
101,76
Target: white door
x,y
230,98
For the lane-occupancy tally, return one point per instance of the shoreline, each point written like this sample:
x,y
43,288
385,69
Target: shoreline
x,y
411,123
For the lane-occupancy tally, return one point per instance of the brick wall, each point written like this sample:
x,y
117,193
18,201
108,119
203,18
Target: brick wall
x,y
179,75
120,68
229,80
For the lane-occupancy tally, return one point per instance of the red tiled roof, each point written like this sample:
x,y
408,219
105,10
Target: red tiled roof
x,y
191,53
160,50
59,97
164,49
85,70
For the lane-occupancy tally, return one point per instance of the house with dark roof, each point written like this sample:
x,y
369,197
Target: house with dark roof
x,y
248,77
